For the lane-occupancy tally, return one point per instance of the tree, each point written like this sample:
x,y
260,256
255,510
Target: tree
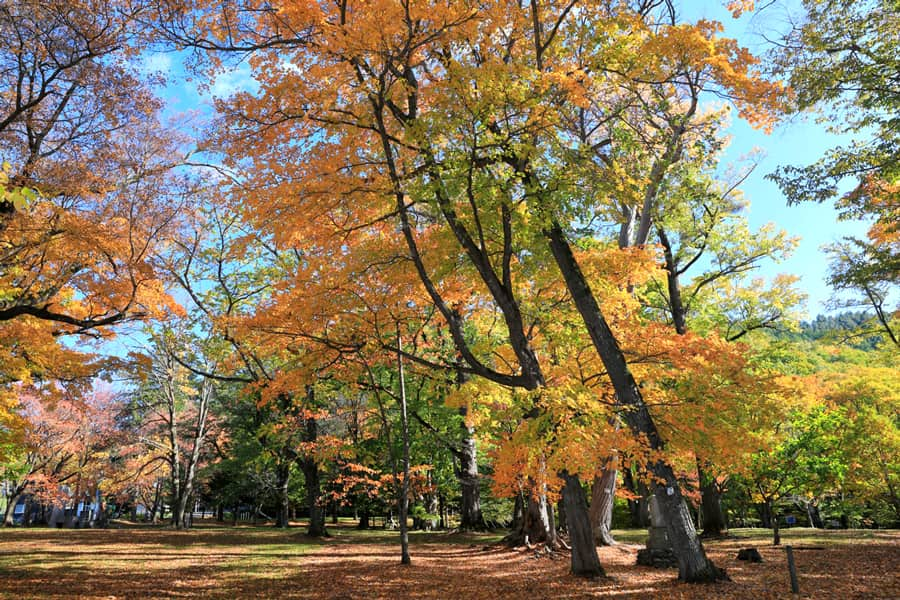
x,y
453,128
78,127
86,165
67,447
842,58
178,409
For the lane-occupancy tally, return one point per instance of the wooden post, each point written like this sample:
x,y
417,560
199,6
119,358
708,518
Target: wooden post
x,y
795,586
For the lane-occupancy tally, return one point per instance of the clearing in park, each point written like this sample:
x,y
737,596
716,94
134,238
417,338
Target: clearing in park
x,y
256,562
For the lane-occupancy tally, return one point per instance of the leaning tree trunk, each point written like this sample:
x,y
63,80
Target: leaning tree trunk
x,y
603,496
9,517
585,562
183,518
693,564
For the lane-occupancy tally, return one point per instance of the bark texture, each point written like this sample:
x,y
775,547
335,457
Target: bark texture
x,y
585,562
313,486
470,516
603,495
283,475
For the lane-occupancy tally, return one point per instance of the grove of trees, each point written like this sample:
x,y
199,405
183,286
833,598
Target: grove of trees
x,y
442,265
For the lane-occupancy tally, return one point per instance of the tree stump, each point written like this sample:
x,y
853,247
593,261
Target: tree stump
x,y
751,554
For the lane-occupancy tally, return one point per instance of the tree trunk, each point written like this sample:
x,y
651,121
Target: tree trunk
x,y
442,511
470,505
532,522
812,513
28,515
518,516
8,518
713,517
603,496
693,564
765,516
538,526
638,507
432,508
364,518
470,517
561,525
283,474
585,562
157,493
404,488
313,489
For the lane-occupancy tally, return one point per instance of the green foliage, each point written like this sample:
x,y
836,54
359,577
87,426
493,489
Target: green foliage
x,y
844,59
19,197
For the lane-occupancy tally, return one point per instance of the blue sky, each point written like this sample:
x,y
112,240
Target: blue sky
x,y
798,141
801,140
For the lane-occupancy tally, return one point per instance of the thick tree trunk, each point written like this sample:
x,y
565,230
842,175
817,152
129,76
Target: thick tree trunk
x,y
585,562
470,517
283,474
693,564
364,518
603,496
712,515
539,524
535,525
313,489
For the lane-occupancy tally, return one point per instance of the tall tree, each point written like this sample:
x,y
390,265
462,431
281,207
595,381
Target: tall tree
x,y
842,59
449,124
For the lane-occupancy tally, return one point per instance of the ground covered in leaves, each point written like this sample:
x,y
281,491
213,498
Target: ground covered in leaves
x,y
248,562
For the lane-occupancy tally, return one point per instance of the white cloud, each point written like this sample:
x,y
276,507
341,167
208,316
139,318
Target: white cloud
x,y
238,79
156,62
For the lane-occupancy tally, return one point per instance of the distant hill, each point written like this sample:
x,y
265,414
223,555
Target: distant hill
x,y
837,328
